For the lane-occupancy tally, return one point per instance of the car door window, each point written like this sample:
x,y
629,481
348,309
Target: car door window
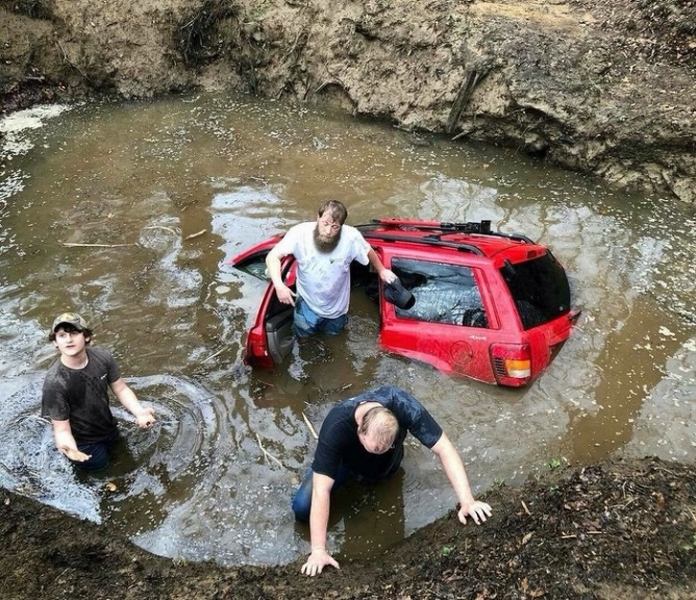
x,y
444,293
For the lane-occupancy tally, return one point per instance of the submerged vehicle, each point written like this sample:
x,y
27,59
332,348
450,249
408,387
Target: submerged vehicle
x,y
491,306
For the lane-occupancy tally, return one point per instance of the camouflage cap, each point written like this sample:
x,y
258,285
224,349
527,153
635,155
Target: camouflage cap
x,y
71,319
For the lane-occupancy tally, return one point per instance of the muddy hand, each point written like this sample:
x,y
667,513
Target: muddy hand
x,y
146,418
286,295
478,511
316,562
75,455
388,276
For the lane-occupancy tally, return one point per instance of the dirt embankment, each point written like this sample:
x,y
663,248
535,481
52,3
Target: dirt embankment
x,y
601,86
616,531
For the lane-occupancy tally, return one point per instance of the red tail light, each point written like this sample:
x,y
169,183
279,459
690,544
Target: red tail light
x,y
512,364
256,351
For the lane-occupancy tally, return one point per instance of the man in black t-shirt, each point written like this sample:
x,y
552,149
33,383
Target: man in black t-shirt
x,y
363,438
76,399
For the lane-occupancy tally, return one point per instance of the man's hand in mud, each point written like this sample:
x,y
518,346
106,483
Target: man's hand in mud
x,y
75,455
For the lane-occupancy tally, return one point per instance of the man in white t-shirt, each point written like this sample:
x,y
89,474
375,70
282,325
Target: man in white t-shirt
x,y
324,251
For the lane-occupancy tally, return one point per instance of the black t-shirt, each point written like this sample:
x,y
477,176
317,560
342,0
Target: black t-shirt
x,y
339,443
81,396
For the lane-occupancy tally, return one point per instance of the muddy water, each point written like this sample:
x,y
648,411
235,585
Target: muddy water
x,y
129,213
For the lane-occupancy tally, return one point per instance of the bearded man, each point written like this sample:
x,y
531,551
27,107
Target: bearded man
x,y
324,251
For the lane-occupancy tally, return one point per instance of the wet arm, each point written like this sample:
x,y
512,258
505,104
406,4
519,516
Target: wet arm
x,y
384,274
273,264
454,469
65,442
318,525
145,417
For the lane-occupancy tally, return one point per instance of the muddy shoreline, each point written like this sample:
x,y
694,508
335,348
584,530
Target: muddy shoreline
x,y
618,530
603,87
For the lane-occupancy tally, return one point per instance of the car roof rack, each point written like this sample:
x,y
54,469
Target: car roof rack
x,y
430,241
471,227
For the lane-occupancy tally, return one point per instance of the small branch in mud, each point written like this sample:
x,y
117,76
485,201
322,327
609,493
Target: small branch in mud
x,y
309,424
70,62
77,245
328,83
266,383
475,77
525,508
214,355
460,135
169,229
197,234
266,453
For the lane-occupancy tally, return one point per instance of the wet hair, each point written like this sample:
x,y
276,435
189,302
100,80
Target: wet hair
x,y
335,210
68,328
380,423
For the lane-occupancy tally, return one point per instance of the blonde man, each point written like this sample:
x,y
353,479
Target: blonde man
x,y
363,438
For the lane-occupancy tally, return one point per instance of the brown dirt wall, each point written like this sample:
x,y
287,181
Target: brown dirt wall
x,y
604,86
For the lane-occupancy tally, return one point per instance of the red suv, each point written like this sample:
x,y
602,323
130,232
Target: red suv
x,y
488,305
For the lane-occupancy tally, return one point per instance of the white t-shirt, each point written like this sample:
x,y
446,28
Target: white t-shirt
x,y
323,279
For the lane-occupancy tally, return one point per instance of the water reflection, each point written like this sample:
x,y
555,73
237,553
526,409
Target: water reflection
x,y
129,213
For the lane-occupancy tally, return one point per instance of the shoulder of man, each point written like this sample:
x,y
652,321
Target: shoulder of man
x,y
294,236
405,406
101,357
53,374
301,228
389,393
337,418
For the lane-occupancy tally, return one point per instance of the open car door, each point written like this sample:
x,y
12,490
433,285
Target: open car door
x,y
270,338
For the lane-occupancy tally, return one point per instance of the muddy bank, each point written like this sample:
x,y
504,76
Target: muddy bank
x,y
606,87
615,530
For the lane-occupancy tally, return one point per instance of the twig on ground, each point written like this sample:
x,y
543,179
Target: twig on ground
x,y
214,355
169,229
309,424
266,383
195,235
71,63
76,245
266,453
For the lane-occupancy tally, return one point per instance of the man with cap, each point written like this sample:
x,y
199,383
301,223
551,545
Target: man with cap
x,y
324,251
362,438
76,399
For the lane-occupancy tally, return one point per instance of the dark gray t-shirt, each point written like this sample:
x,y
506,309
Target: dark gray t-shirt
x,y
81,396
339,443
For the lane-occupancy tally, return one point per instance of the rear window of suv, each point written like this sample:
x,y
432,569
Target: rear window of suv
x,y
539,288
444,293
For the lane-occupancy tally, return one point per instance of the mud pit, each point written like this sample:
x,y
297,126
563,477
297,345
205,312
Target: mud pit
x,y
605,87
